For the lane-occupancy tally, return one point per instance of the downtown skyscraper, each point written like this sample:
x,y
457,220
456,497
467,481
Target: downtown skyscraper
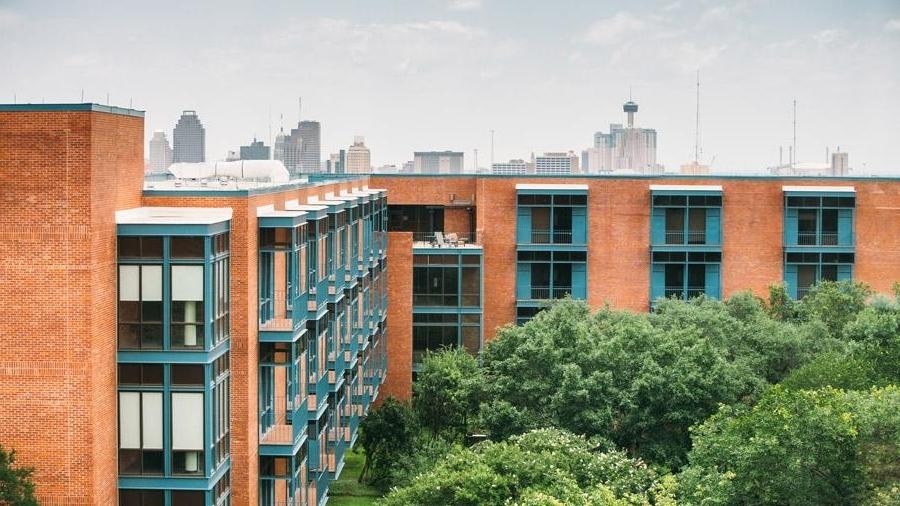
x,y
189,139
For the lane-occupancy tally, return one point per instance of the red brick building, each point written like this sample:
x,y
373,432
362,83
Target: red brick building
x,y
217,338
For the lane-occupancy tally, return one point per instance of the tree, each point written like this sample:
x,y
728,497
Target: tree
x,y
16,487
542,467
803,447
386,434
447,391
835,303
639,380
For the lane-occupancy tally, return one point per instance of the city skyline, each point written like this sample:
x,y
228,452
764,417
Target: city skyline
x,y
457,60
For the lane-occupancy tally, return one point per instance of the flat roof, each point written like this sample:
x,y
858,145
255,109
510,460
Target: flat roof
x,y
295,205
111,109
271,213
532,186
844,189
687,187
173,216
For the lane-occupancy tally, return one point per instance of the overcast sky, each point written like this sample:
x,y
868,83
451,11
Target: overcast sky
x,y
440,74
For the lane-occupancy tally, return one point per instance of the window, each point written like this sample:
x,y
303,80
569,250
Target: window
x,y
187,306
140,433
435,286
471,286
141,497
140,247
140,306
221,301
433,331
222,489
221,411
188,498
141,374
187,433
187,374
186,247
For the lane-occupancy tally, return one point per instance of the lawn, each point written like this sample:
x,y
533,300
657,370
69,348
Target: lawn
x,y
346,491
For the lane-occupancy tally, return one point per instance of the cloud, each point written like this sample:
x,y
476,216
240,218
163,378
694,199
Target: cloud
x,y
609,31
826,37
464,5
893,25
9,19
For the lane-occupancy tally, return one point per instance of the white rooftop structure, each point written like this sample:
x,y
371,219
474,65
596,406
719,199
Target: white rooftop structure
x,y
686,187
531,186
272,171
842,189
173,215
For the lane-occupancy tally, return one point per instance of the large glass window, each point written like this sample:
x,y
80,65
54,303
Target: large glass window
x,y
187,306
187,433
435,286
221,301
140,433
221,393
140,306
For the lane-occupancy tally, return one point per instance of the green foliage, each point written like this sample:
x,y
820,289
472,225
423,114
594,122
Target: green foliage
x,y
639,380
798,447
834,369
428,452
780,306
16,486
448,391
542,467
835,304
386,434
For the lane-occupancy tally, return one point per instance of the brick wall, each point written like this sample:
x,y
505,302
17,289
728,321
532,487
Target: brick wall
x,y
63,174
398,382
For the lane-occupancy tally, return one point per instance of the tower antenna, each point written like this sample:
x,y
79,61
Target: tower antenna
x,y
697,125
794,143
299,109
492,149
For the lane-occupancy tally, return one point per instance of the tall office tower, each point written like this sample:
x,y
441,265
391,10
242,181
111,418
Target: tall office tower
x,y
189,139
309,142
556,163
359,159
278,147
256,150
160,153
337,163
625,148
438,162
291,148
511,167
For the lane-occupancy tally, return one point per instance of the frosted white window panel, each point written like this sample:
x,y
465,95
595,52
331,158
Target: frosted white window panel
x,y
151,282
129,282
187,282
187,421
152,418
129,420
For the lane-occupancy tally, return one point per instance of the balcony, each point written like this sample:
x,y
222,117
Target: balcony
x,y
546,292
442,240
679,292
554,236
814,239
683,237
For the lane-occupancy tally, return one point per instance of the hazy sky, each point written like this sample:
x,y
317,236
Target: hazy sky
x,y
440,74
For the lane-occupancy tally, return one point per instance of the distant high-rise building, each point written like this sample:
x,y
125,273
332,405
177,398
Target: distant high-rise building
x,y
510,167
256,150
625,148
359,159
556,163
694,168
408,167
160,152
232,156
438,162
310,133
337,163
279,147
189,139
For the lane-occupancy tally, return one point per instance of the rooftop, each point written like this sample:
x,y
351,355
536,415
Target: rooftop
x,y
173,216
71,107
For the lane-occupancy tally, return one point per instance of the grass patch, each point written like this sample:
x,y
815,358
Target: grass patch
x,y
346,491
